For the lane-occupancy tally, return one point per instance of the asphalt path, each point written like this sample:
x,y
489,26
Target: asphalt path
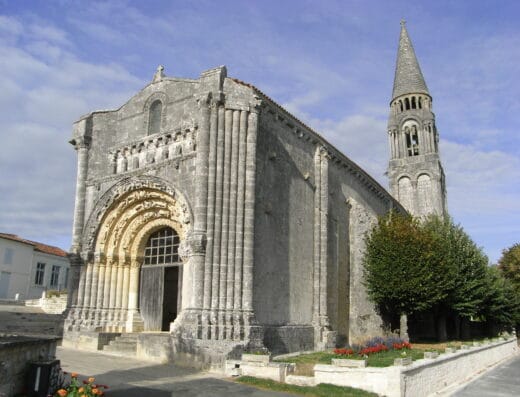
x,y
502,381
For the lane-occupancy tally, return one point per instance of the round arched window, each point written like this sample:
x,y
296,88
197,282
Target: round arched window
x,y
162,248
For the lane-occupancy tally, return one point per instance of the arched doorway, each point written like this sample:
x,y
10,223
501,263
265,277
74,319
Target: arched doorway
x,y
160,280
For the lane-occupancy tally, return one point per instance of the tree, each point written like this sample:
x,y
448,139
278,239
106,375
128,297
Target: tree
x,y
466,264
509,267
402,274
500,306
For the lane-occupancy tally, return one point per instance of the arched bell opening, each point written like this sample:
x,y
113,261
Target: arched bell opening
x,y
160,287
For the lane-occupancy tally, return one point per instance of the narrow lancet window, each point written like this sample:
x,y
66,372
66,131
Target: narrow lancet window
x,y
154,125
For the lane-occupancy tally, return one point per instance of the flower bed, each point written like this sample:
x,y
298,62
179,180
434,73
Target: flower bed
x,y
85,388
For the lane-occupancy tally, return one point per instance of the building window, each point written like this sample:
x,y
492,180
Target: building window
x,y
55,276
162,248
40,273
8,256
154,125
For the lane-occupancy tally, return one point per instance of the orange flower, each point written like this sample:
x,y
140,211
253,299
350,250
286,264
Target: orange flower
x,y
74,375
95,391
62,392
81,389
91,380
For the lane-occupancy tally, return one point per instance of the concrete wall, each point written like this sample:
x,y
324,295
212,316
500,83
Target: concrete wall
x,y
15,354
22,270
14,276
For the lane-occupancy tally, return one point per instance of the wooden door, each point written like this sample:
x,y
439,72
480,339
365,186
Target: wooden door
x,y
151,296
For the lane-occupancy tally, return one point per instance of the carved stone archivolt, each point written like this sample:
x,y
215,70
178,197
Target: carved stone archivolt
x,y
137,211
118,232
133,200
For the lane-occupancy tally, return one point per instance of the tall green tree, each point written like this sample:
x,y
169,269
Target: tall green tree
x,y
509,267
466,264
402,275
500,306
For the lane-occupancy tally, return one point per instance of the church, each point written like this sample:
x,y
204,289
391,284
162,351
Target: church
x,y
209,221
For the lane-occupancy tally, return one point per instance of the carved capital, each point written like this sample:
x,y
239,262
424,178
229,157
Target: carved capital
x,y
81,142
204,99
194,244
75,259
255,106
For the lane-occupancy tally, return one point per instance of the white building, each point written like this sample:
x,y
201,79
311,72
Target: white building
x,y
27,268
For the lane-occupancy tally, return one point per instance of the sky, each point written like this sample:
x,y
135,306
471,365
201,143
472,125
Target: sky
x,y
330,63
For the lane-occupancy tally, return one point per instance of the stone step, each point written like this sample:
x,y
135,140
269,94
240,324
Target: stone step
x,y
122,349
123,345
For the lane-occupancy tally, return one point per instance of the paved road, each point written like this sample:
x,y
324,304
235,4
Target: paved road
x,y
503,381
133,378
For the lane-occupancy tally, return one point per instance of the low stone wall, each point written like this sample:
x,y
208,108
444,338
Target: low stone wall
x,y
259,366
52,305
15,354
384,381
422,377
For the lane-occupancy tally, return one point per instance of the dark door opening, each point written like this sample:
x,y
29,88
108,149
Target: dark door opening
x,y
171,291
160,284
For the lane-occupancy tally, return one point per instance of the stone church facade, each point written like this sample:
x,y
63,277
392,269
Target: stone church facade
x,y
210,221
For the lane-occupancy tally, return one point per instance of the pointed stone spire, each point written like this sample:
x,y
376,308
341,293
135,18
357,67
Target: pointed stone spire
x,y
408,76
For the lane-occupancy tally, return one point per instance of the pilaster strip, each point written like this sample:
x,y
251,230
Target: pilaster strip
x,y
249,211
239,250
233,211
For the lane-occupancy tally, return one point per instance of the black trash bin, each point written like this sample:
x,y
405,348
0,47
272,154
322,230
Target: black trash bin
x,y
43,378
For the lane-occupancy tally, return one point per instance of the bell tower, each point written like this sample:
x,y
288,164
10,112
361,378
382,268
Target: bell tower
x,y
415,171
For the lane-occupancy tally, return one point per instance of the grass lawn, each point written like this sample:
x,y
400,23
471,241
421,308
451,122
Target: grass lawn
x,y
321,390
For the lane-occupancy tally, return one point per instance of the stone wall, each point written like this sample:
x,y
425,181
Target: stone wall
x,y
423,377
52,305
15,354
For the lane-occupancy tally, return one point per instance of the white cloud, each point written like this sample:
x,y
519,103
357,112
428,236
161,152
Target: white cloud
x,y
45,86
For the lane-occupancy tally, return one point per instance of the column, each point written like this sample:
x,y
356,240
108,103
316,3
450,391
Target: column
x,y
134,322
125,291
106,290
324,214
119,294
198,243
232,224
81,144
225,220
208,263
249,212
218,222
88,286
317,233
239,249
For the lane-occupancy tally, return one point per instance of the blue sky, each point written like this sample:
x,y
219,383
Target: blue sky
x,y
331,63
